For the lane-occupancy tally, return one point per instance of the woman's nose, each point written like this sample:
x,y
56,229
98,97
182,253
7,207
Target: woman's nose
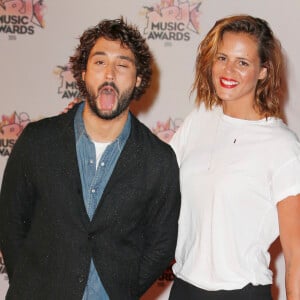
x,y
229,67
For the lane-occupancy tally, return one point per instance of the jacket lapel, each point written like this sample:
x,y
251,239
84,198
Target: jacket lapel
x,y
70,162
128,162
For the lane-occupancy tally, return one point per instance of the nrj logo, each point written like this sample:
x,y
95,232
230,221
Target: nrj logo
x,y
68,88
172,21
10,129
165,130
21,16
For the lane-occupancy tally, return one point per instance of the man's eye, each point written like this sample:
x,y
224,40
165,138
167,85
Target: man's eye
x,y
99,62
244,63
123,65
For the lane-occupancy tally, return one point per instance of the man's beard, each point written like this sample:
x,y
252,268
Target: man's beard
x,y
123,101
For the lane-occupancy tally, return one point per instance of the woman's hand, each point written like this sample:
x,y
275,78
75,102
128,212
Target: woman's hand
x,y
71,105
289,226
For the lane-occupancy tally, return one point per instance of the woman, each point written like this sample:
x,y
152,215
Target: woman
x,y
240,170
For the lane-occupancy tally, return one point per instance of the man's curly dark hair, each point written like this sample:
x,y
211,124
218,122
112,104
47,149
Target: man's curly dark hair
x,y
114,30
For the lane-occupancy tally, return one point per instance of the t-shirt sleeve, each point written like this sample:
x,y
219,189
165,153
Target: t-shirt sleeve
x,y
180,138
286,179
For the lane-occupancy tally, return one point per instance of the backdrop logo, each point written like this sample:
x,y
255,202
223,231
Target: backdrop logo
x,y
68,88
165,130
170,21
10,129
21,16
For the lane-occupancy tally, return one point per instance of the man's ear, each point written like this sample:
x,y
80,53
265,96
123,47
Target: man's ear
x,y
83,75
138,81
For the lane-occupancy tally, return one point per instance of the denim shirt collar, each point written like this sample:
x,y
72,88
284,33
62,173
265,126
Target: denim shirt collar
x,y
80,129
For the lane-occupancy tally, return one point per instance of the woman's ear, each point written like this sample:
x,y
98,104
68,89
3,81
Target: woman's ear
x,y
263,73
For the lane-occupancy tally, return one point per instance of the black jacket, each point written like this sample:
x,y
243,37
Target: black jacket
x,y
46,236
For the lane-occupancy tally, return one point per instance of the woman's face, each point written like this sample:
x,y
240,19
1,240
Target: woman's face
x,y
237,69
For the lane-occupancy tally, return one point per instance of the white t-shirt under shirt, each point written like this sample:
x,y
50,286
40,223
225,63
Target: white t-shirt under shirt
x,y
100,148
233,172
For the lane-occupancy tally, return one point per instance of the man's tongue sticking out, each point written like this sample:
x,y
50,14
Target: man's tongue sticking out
x,y
107,98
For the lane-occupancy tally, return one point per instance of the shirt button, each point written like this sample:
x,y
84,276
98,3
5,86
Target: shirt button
x,y
93,190
91,161
102,164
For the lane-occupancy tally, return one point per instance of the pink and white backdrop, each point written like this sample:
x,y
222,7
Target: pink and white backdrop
x,y
37,37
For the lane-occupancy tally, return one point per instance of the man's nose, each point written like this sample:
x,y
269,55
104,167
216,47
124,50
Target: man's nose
x,y
110,73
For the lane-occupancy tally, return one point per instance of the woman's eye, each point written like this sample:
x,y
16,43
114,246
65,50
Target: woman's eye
x,y
221,58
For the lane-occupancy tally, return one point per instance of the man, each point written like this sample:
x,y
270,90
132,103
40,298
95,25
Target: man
x,y
90,199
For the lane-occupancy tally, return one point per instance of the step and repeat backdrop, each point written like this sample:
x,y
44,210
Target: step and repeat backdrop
x,y
38,36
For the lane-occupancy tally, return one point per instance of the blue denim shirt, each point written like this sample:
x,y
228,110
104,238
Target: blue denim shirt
x,y
93,183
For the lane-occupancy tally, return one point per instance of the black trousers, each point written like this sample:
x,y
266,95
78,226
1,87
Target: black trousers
x,y
181,290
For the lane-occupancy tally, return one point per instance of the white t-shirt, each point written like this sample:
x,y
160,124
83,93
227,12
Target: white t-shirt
x,y
100,148
232,174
